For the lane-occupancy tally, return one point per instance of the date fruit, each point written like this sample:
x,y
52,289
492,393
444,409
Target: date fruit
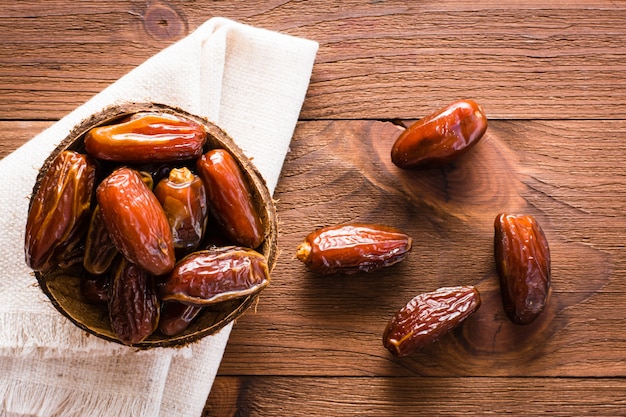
x,y
147,137
350,248
229,199
99,248
440,137
176,317
133,304
59,209
183,199
210,276
429,316
72,250
136,222
95,289
522,259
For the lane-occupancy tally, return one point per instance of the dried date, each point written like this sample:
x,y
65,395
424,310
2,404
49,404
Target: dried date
x,y
59,209
350,248
183,199
230,201
147,137
133,304
99,248
95,289
429,316
523,261
176,317
440,137
214,275
136,222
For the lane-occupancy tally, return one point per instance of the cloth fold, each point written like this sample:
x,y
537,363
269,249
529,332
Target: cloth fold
x,y
249,81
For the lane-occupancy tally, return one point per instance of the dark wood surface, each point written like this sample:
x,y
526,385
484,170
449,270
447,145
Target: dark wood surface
x,y
552,79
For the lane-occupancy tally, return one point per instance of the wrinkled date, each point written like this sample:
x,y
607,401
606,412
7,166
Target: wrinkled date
x,y
351,248
147,137
440,137
95,288
210,276
99,248
59,209
230,201
136,222
429,316
133,304
183,199
176,317
71,252
523,264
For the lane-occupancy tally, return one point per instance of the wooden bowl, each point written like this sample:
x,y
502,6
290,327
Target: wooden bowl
x,y
62,286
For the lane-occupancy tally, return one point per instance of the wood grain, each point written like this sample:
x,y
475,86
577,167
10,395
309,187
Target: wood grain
x,y
377,59
265,396
340,172
14,134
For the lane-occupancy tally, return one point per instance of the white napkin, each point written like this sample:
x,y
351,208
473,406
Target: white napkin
x,y
249,81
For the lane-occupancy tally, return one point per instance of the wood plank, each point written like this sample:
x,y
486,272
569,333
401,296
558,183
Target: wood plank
x,y
377,60
569,174
276,396
14,134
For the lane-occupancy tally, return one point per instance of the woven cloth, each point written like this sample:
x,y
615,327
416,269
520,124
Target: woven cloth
x,y
249,81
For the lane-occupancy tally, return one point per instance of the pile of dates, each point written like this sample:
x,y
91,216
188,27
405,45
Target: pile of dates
x,y
521,250
132,209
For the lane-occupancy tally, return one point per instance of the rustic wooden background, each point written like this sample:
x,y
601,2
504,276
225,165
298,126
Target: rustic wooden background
x,y
551,76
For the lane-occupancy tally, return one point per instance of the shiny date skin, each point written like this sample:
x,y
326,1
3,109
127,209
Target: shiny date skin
x,y
429,316
230,201
523,261
71,251
95,288
147,138
214,275
350,248
183,199
136,222
440,137
176,317
99,248
133,304
59,209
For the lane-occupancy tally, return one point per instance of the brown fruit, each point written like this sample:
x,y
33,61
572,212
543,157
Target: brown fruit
x,y
522,259
440,137
211,276
183,199
176,317
429,316
59,209
95,289
133,304
229,199
147,137
99,249
355,247
136,222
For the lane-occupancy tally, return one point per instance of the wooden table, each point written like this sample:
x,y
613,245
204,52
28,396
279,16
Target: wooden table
x,y
552,79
